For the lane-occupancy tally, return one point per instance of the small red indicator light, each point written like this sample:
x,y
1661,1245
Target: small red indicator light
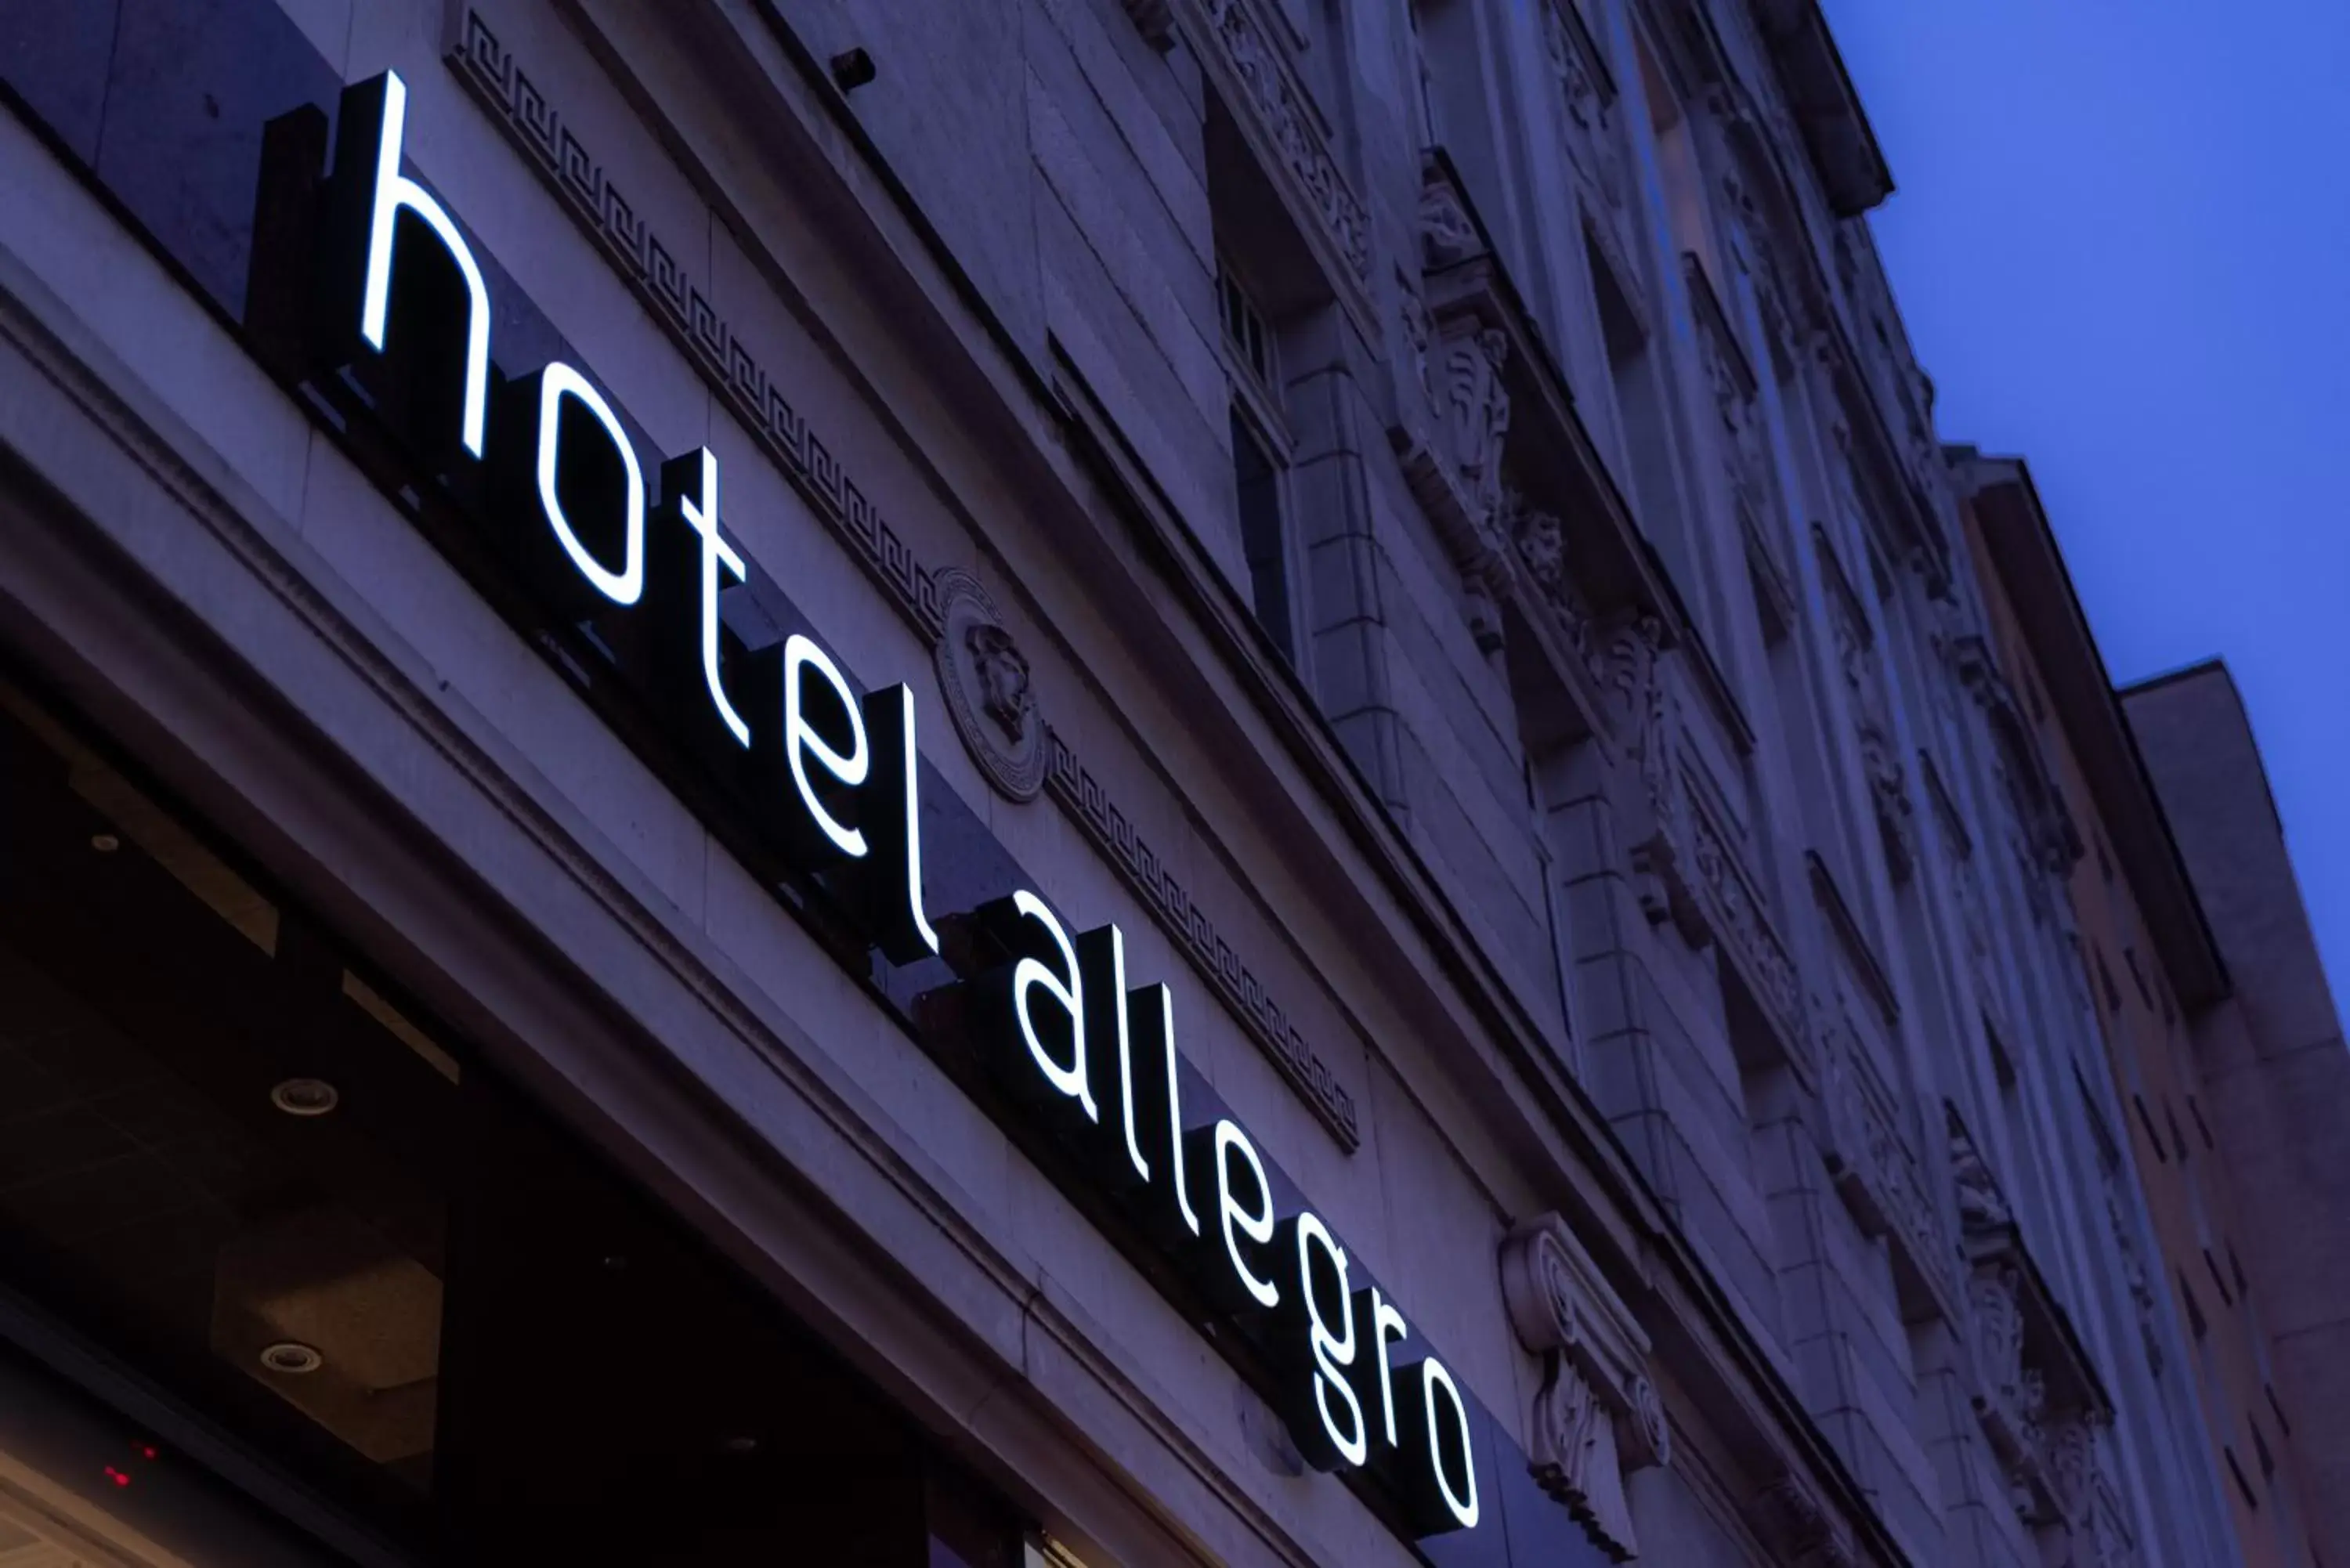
x,y
117,1477
148,1453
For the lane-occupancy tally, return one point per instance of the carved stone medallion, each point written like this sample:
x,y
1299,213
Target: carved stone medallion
x,y
989,691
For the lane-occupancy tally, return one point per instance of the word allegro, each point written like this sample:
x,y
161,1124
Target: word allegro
x,y
542,465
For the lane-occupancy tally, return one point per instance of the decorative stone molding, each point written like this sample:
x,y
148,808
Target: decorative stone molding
x,y
1268,90
1597,1418
1481,413
2036,1393
1876,1173
1880,755
1451,446
2050,844
1456,477
1155,20
1448,235
1746,465
986,682
1541,542
1683,866
1476,412
1796,1529
1748,935
1595,148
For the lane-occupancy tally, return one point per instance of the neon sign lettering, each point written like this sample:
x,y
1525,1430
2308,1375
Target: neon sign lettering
x,y
836,779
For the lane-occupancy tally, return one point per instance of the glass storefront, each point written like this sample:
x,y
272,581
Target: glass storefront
x,y
286,1275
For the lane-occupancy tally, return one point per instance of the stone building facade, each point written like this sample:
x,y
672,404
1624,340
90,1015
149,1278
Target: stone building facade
x,y
2152,967
1245,749
2268,1058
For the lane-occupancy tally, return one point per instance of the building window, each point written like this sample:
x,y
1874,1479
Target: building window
x,y
2178,1139
2242,1485
2137,977
2236,1269
2219,1281
2106,984
1256,478
2276,1409
1245,334
2153,1139
2195,1112
2109,1153
1261,454
2261,1449
2105,856
2195,1321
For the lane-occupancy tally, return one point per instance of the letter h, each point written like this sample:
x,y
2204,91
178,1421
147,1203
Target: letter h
x,y
407,369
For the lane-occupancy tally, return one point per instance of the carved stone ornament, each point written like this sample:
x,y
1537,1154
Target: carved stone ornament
x,y
1446,233
1477,413
1595,148
1795,1527
1880,753
991,694
1155,20
1597,1418
1541,541
1281,105
1876,1173
1983,1211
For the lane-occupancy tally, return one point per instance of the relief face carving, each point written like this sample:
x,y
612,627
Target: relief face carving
x,y
1478,413
1002,679
991,695
1446,235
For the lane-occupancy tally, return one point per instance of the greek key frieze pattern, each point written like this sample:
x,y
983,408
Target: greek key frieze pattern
x,y
495,78
1067,779
498,81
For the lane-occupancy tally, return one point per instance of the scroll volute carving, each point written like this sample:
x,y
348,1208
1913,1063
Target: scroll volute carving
x,y
1597,1418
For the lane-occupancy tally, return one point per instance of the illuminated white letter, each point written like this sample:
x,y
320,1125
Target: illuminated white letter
x,y
803,743
891,818
556,383
393,192
1110,1005
1333,1352
1388,1327
1256,1226
1031,973
701,513
1462,1508
1165,1010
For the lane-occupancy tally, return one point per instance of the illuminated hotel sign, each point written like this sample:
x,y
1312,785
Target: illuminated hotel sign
x,y
542,465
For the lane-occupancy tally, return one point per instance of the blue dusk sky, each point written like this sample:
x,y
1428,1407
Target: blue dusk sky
x,y
2121,246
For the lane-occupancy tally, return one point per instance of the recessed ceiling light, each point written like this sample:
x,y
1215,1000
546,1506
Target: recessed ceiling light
x,y
292,1358
105,843
306,1097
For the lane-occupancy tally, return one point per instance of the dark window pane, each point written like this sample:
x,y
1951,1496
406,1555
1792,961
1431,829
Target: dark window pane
x,y
1262,536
